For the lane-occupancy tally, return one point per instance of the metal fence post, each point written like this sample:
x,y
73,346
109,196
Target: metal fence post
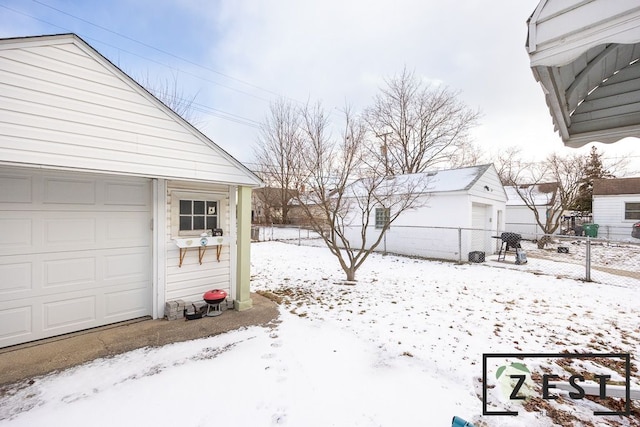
x,y
385,242
588,260
299,231
460,245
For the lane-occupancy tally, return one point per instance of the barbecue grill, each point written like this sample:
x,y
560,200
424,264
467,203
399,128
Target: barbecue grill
x,y
213,298
511,241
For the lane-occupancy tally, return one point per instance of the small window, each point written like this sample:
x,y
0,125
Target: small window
x,y
382,217
632,210
198,215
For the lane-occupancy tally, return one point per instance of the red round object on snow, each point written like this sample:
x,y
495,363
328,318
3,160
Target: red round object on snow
x,y
214,296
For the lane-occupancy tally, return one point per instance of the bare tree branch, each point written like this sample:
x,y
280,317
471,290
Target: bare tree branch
x,y
344,192
278,158
552,185
417,126
170,93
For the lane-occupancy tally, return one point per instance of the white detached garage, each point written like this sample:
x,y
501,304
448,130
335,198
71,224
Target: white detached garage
x,y
459,212
97,179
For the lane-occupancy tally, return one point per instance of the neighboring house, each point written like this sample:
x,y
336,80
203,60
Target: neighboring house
x,y
468,203
616,207
303,209
266,205
520,217
97,177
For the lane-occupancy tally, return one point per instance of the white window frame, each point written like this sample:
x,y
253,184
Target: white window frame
x,y
177,196
626,210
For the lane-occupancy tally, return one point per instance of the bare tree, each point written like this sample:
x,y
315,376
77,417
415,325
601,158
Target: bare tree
x,y
552,185
467,154
417,126
509,165
278,157
169,92
343,191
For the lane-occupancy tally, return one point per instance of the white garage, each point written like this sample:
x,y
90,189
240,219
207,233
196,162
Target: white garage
x,y
458,213
93,173
75,252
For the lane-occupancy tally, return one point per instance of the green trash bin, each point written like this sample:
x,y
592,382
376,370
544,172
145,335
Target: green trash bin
x,y
590,230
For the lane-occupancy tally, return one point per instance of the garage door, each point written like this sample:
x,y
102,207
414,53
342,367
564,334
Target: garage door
x,y
75,252
479,235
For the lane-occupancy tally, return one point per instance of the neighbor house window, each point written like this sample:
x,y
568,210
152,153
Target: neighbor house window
x,y
632,210
382,217
198,215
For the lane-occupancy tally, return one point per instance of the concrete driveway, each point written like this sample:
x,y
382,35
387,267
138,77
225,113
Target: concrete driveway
x,y
29,360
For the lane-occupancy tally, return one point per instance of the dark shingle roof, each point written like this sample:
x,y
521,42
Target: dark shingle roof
x,y
609,187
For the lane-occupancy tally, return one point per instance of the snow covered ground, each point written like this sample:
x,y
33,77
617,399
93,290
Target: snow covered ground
x,y
403,347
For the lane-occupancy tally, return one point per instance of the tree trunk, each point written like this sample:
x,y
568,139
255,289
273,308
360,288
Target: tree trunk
x,y
351,274
542,242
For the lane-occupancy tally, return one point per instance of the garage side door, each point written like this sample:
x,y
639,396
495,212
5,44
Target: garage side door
x,y
75,252
479,236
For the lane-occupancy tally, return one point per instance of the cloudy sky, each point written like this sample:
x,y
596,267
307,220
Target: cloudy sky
x,y
237,56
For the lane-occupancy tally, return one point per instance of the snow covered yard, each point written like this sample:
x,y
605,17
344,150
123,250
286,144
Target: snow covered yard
x,y
402,347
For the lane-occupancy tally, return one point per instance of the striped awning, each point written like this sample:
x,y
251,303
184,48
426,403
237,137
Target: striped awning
x,y
585,54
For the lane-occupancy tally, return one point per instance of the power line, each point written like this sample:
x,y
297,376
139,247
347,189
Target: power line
x,y
138,55
199,107
157,49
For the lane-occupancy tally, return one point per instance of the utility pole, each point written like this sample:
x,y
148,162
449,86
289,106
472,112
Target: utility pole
x,y
383,149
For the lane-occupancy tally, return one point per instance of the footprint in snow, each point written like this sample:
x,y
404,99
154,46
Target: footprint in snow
x,y
279,418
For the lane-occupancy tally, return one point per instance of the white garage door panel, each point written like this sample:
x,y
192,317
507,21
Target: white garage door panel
x,y
14,231
68,314
127,227
69,231
126,304
15,323
75,271
69,191
15,277
130,194
129,266
15,189
75,252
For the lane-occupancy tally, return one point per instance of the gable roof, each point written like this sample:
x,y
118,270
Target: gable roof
x,y
438,181
540,194
614,186
460,179
69,107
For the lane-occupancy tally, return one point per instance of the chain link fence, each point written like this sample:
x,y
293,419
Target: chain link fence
x,y
585,258
283,233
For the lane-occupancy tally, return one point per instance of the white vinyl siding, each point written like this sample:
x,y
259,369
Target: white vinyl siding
x,y
609,212
488,187
64,105
192,280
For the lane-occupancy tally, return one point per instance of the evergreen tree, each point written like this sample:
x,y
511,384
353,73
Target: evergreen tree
x,y
594,169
